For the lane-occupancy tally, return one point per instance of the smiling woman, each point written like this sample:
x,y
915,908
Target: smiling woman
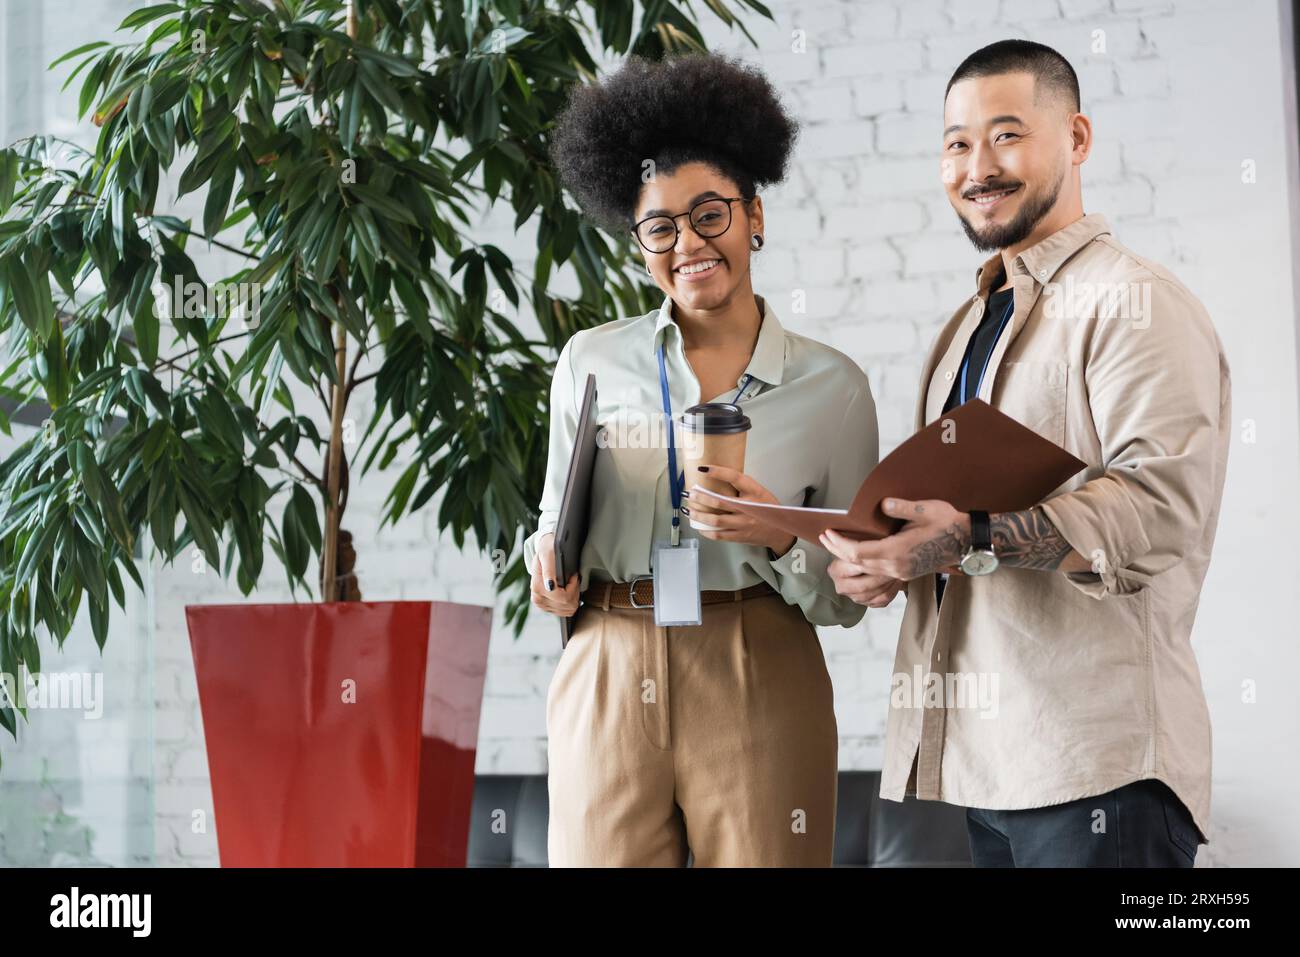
x,y
744,759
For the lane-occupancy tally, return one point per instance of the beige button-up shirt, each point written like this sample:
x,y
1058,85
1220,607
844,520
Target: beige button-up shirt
x,y
812,441
1049,686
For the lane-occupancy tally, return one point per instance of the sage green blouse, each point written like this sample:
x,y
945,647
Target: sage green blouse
x,y
812,442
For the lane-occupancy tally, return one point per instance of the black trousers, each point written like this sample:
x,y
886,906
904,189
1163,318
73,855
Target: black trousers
x,y
1142,824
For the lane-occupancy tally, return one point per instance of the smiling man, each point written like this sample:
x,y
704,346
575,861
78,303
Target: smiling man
x,y
1098,753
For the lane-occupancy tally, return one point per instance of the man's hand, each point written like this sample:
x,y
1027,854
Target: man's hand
x,y
730,525
933,540
547,596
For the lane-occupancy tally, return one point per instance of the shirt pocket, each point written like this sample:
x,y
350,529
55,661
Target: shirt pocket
x,y
1034,394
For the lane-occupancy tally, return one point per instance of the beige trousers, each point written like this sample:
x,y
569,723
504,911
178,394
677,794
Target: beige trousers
x,y
718,738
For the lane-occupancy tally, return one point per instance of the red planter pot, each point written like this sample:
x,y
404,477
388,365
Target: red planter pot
x,y
341,734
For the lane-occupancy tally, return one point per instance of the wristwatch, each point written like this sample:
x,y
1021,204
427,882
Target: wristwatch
x,y
979,558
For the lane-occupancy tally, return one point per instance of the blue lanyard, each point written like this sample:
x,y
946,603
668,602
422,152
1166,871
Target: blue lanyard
x,y
966,361
676,479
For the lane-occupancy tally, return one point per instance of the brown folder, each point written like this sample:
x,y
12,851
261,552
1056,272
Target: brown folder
x,y
973,457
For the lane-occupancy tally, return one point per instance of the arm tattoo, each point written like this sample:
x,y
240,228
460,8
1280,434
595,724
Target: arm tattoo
x,y
939,552
1028,540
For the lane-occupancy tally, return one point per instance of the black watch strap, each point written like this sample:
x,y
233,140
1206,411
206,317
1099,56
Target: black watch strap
x,y
981,537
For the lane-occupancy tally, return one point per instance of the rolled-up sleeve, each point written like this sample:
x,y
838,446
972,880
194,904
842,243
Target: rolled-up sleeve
x,y
801,572
1154,389
564,431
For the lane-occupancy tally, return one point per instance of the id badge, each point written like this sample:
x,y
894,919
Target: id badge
x,y
677,582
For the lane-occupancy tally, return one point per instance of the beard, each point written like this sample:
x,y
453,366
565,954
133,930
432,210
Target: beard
x,y
1031,213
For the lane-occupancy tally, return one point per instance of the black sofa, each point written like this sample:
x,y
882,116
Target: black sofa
x,y
869,832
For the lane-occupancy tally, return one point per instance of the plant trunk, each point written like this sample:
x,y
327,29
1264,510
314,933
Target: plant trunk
x,y
331,572
333,471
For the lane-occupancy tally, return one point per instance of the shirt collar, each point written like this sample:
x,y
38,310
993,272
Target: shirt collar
x,y
1042,260
768,361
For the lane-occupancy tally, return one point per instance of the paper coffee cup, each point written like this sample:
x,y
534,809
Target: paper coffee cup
x,y
713,433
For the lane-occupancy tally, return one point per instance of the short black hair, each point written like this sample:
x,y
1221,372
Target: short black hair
x,y
1048,68
700,107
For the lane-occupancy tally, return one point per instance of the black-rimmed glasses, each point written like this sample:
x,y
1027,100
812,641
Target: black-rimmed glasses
x,y
708,217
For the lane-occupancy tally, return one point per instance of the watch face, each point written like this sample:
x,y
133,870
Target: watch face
x,y
979,563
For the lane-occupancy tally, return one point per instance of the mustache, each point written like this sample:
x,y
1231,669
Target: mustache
x,y
989,188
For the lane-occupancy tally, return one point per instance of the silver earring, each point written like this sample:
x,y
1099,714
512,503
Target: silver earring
x,y
757,242
648,272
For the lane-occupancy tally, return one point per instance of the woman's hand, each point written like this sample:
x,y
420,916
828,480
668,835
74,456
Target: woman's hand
x,y
874,591
732,526
547,595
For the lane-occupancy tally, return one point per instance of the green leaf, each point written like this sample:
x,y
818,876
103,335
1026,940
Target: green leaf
x,y
8,179
214,208
199,525
99,621
40,542
272,381
145,325
56,362
380,88
328,259
295,543
218,420
308,521
383,205
35,308
90,85
84,48
115,580
395,65
350,114
156,440
145,15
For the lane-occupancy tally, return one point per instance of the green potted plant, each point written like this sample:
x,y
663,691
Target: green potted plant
x,y
343,153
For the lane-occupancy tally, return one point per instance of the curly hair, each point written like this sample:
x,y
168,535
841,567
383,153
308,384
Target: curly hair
x,y
694,108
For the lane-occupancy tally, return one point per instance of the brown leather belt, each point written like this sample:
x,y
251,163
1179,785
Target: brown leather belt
x,y
639,593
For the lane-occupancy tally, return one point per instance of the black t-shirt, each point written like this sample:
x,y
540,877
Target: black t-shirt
x,y
981,346
978,351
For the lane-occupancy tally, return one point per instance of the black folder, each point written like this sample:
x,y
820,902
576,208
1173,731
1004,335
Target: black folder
x,y
575,507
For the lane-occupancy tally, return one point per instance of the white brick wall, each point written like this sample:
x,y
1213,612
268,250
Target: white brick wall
x,y
77,790
1183,92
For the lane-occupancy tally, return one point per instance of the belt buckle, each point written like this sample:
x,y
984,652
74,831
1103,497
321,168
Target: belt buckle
x,y
631,590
